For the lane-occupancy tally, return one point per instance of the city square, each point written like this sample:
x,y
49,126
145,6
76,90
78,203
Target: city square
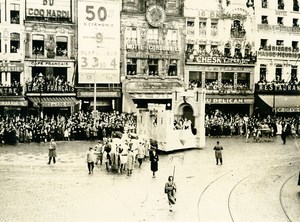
x,y
257,182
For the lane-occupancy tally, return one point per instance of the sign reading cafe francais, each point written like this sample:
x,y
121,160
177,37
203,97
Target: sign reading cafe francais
x,y
48,8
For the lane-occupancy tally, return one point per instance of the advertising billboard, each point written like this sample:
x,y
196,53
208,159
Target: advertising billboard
x,y
48,8
98,41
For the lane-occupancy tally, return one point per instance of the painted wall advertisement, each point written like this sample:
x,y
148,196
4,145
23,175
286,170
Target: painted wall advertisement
x,y
48,8
98,41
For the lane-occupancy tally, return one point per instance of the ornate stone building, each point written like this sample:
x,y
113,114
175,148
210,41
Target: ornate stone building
x,y
152,51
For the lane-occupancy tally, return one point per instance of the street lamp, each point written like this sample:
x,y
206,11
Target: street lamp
x,y
40,80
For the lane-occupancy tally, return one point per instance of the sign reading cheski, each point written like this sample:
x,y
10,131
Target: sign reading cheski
x,y
98,41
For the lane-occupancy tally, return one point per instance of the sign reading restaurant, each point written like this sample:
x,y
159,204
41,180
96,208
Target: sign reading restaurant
x,y
48,8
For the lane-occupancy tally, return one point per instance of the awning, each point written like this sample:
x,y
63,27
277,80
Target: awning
x,y
282,103
54,101
13,101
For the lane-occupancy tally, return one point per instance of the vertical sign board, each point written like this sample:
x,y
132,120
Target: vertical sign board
x,y
99,41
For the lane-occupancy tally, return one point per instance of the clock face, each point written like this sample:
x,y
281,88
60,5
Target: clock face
x,y
155,15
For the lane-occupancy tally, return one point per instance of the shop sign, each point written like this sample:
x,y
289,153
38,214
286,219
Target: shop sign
x,y
152,47
221,60
49,63
225,101
279,87
11,67
280,54
13,103
57,104
99,94
288,109
48,8
161,86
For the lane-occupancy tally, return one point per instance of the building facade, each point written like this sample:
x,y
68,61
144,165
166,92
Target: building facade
x,y
152,52
12,75
49,57
277,79
220,55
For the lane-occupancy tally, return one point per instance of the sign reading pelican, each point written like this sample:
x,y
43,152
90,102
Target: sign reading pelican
x,y
98,41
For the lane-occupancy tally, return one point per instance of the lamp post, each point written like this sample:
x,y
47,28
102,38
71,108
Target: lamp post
x,y
40,80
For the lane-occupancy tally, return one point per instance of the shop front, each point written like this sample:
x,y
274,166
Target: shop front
x,y
106,101
54,105
141,93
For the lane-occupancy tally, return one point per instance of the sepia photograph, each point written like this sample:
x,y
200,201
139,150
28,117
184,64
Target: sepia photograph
x,y
149,111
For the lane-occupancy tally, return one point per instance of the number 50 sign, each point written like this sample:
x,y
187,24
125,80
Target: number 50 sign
x,y
99,41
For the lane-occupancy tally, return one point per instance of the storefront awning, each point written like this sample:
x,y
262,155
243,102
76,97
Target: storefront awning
x,y
54,101
282,103
13,101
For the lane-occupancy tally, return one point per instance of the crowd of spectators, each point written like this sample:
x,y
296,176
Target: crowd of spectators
x,y
221,87
51,83
218,123
80,126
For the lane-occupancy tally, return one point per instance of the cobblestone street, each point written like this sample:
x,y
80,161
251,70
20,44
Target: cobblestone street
x,y
257,182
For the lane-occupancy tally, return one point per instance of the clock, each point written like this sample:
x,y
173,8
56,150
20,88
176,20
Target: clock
x,y
155,15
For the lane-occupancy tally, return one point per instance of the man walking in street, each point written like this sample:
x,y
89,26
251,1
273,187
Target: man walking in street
x,y
218,153
90,160
52,151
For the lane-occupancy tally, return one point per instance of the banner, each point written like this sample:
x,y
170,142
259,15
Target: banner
x,y
98,41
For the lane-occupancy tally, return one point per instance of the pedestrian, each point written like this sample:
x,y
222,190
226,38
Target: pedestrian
x,y
52,151
170,190
299,179
284,132
153,160
141,153
218,153
90,160
130,161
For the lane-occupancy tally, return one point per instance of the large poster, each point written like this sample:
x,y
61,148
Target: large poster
x,y
98,41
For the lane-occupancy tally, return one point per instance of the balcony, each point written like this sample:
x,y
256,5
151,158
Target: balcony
x,y
11,90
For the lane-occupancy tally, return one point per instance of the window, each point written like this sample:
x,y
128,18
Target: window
x,y
264,4
294,71
152,37
195,79
237,51
279,20
61,46
214,28
264,19
131,67
172,68
211,80
172,37
278,73
190,27
280,43
295,22
280,5
243,80
262,73
202,27
131,35
295,5
227,79
295,46
153,67
14,13
227,50
38,44
14,42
